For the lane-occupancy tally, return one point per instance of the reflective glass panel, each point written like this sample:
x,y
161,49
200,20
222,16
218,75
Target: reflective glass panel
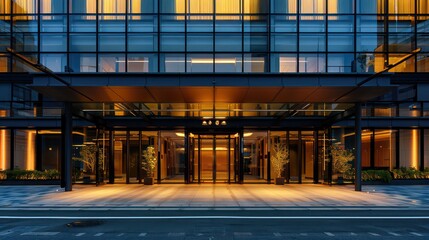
x,y
142,23
200,23
199,63
172,6
82,62
142,6
228,6
82,42
111,63
142,63
340,6
111,42
340,42
255,6
172,63
228,42
199,42
25,6
340,23
228,63
53,23
83,23
228,23
143,42
312,63
55,62
283,42
53,6
172,42
255,63
283,6
111,6
283,63
255,43
369,43
312,42
369,23
312,23
312,6
370,6
111,23
172,23
83,6
340,63
53,42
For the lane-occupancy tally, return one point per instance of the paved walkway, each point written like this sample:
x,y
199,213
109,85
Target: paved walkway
x,y
214,196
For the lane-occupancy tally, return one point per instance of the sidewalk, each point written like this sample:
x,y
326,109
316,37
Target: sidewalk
x,y
214,196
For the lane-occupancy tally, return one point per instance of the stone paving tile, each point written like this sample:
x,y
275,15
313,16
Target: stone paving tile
x,y
219,195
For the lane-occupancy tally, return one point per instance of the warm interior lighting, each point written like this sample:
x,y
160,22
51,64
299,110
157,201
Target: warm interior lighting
x,y
314,6
248,134
180,134
111,6
414,148
3,156
31,158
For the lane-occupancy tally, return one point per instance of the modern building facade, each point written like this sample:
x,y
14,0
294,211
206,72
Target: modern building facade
x,y
213,86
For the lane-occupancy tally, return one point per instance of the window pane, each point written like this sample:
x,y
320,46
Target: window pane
x,y
111,63
255,43
172,63
228,63
111,23
199,42
142,63
340,43
172,6
423,7
283,63
340,23
312,6
53,23
143,42
312,63
402,26
83,23
83,42
340,6
340,63
25,42
228,42
25,149
172,42
111,6
199,63
228,6
369,43
138,23
370,24
4,64
53,6
83,62
25,24
312,42
255,63
283,6
312,23
83,6
111,42
55,62
5,6
25,6
200,6
365,62
172,24
255,6
283,23
53,42
283,42
401,42
228,23
142,6
200,24
255,23
370,6
401,6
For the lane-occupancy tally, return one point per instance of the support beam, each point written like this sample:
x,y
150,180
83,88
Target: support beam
x,y
67,129
269,157
111,158
316,156
358,140
159,158
241,160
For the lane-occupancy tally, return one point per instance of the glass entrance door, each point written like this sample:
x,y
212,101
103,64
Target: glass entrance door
x,y
214,158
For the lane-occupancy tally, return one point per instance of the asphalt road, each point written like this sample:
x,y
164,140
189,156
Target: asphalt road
x,y
214,224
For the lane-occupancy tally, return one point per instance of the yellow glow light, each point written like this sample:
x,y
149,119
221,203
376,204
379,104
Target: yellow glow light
x,y
30,150
3,150
414,148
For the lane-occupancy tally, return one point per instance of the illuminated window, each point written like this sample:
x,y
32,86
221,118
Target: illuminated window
x,y
5,6
52,6
3,64
312,6
255,6
401,6
83,6
25,6
111,6
228,6
200,6
423,7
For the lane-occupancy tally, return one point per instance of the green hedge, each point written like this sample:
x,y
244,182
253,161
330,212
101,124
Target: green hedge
x,y
18,174
400,173
377,175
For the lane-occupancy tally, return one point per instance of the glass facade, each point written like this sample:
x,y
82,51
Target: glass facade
x,y
334,36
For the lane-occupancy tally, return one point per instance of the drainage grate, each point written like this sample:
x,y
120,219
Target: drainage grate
x,y
84,223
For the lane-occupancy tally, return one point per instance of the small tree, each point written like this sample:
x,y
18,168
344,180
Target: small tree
x,y
149,161
342,159
279,157
88,156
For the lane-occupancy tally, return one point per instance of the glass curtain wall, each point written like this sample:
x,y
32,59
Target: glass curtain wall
x,y
255,157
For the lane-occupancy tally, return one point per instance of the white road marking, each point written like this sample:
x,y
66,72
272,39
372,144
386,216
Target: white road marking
x,y
120,235
374,234
40,233
79,234
329,234
5,233
394,234
416,234
303,234
353,234
277,234
220,217
98,234
142,234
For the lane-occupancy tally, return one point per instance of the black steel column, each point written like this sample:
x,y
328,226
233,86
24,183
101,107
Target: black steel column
x,y
159,158
241,160
299,157
327,149
214,159
139,159
358,136
398,147
97,157
199,158
127,159
268,158
316,156
372,149
67,137
111,158
229,159
186,157
12,152
422,149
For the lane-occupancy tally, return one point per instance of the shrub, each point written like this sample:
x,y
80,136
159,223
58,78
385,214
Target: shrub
x,y
377,175
408,173
18,174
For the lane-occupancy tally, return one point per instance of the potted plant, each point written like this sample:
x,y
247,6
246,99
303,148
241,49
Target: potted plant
x,y
149,164
279,158
341,161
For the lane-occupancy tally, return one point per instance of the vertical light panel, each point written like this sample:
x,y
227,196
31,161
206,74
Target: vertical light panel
x,y
414,148
31,158
3,150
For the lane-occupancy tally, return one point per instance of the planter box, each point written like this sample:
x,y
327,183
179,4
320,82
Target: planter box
x,y
280,181
148,181
30,182
399,182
